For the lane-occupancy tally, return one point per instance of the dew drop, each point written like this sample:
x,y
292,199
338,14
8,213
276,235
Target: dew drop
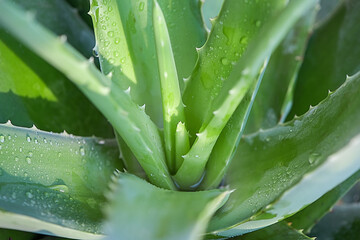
x,y
243,40
30,154
60,188
225,61
82,151
2,138
28,138
314,157
110,9
29,195
258,23
28,160
141,6
117,40
110,33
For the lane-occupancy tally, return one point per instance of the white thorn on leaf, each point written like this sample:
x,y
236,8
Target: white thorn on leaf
x,y
127,91
63,38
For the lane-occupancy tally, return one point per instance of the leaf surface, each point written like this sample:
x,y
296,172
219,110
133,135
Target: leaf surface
x,y
241,79
129,120
279,231
332,53
54,183
284,154
36,93
140,210
309,216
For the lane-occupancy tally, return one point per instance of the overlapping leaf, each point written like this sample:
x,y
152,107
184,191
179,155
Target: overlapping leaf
x,y
34,92
285,153
142,211
54,183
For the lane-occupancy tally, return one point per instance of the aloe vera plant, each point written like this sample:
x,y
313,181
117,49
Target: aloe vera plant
x,y
143,122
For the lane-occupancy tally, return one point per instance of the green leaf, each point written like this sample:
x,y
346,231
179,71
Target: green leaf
x,y
286,153
128,41
53,183
173,107
279,231
61,18
238,22
128,119
41,95
309,216
228,140
6,234
210,10
140,210
275,96
332,54
235,88
343,222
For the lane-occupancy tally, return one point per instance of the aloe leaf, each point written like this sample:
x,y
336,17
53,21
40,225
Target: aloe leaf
x,y
33,96
309,216
182,144
6,234
61,18
228,140
227,42
286,153
275,96
185,214
330,52
210,10
129,120
341,223
134,19
53,183
241,79
173,108
130,162
279,231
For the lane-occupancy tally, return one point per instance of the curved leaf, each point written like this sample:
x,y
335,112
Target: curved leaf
x,y
33,92
235,88
332,53
140,210
53,183
285,153
275,96
128,119
309,216
279,231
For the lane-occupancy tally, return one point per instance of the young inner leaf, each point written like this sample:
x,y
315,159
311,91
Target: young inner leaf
x,y
173,109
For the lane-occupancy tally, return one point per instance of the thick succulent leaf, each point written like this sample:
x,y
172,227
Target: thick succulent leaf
x,y
173,107
62,19
275,96
242,77
128,41
6,234
332,53
269,162
210,10
310,215
343,222
128,119
53,183
228,140
140,210
33,92
279,231
327,8
227,42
